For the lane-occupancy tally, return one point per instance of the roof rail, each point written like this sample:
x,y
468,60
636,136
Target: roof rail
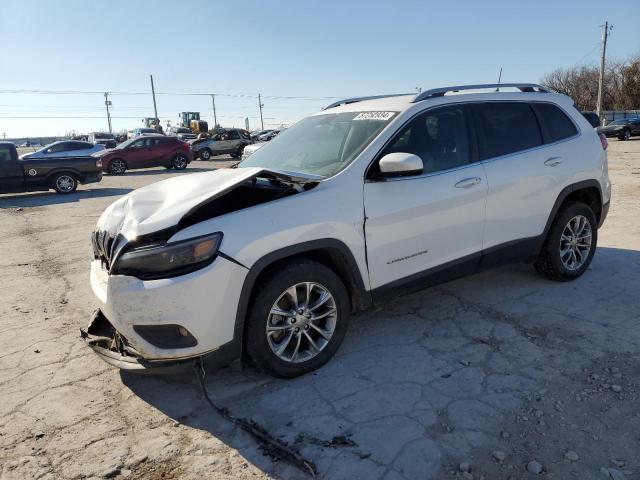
x,y
439,92
347,101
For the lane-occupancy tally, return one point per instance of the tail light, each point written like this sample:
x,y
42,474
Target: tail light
x,y
186,146
99,163
603,141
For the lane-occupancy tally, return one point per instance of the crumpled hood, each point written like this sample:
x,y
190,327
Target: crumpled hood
x,y
161,205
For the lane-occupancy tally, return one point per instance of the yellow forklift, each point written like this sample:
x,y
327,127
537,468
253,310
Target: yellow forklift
x,y
192,120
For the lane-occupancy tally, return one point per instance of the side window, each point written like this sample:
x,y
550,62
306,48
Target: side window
x,y
233,135
556,123
5,154
80,146
139,143
60,147
439,137
506,127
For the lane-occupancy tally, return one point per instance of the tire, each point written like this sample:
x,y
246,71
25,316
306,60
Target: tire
x,y
551,263
332,318
64,183
117,166
625,135
180,162
205,154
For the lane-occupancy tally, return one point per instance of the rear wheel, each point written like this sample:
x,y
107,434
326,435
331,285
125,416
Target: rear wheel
x,y
65,183
117,167
625,135
180,162
298,319
570,244
205,154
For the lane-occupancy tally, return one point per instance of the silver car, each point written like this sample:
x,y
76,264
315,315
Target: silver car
x,y
65,148
231,142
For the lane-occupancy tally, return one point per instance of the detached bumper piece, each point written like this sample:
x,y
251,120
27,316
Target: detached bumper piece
x,y
112,347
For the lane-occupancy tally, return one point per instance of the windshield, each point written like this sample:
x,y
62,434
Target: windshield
x,y
620,122
126,143
103,135
321,144
183,130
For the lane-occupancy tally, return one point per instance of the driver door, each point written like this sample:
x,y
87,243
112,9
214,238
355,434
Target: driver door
x,y
426,228
139,154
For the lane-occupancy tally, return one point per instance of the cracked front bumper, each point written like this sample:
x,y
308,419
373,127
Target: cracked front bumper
x,y
112,347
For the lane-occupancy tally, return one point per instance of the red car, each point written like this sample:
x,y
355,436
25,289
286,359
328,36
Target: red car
x,y
144,152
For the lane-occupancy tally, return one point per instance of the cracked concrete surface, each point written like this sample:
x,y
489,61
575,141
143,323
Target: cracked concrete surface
x,y
501,361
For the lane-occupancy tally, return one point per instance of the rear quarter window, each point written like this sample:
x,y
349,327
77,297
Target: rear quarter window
x,y
554,122
506,127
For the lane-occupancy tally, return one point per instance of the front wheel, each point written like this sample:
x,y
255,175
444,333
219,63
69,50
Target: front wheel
x,y
205,154
570,244
117,167
179,162
65,183
298,319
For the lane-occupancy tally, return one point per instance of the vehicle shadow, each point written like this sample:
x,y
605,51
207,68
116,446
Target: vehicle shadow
x,y
40,199
421,382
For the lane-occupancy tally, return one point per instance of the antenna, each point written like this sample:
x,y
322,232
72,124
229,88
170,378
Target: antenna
x,y
499,79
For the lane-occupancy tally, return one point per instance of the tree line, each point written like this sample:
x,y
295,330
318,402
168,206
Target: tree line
x,y
621,88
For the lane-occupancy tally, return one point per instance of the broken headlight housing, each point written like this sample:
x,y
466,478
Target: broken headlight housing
x,y
170,259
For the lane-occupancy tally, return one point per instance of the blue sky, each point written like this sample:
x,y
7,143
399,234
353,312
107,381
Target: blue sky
x,y
280,48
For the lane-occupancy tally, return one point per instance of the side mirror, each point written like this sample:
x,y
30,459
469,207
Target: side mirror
x,y
400,164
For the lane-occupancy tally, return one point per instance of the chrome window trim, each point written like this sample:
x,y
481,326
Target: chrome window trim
x,y
377,157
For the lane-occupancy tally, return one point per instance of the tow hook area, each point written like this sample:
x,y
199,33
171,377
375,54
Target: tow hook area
x,y
109,344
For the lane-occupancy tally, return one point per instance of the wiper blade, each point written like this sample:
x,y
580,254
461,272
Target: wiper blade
x,y
295,177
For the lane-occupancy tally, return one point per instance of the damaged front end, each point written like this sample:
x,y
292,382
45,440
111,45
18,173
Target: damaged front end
x,y
155,289
112,347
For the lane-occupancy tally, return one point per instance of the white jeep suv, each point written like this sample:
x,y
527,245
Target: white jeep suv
x,y
368,199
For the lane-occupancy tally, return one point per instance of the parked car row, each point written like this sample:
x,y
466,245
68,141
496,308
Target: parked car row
x,y
228,142
623,129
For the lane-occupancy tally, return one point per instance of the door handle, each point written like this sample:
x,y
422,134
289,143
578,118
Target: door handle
x,y
553,162
468,182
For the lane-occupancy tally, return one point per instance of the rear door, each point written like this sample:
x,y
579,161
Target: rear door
x,y
526,168
11,174
418,224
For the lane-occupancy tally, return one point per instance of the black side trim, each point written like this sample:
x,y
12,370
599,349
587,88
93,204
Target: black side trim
x,y
516,251
603,215
421,280
363,296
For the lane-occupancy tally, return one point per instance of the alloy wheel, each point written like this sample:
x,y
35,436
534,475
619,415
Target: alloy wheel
x,y
180,162
575,242
117,167
65,183
301,322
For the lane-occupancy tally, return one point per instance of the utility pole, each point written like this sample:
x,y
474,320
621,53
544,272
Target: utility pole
x,y
499,80
605,34
213,101
260,104
107,103
155,109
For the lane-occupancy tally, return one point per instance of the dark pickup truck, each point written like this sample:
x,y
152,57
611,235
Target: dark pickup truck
x,y
30,175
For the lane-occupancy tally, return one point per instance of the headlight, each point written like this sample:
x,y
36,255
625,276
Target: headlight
x,y
169,260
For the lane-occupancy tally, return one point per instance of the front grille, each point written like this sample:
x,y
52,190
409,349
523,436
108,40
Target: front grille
x,y
106,247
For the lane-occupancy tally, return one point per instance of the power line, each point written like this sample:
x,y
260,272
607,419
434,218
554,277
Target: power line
x,y
231,95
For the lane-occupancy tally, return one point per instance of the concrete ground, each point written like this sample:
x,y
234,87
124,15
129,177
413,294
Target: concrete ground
x,y
494,376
